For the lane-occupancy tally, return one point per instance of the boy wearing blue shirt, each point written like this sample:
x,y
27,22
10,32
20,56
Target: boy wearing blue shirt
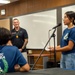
x,y
11,59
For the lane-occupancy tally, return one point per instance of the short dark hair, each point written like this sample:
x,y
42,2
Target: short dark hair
x,y
5,35
71,15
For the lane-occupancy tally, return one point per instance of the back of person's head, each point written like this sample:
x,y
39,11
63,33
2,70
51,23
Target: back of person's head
x,y
5,36
71,16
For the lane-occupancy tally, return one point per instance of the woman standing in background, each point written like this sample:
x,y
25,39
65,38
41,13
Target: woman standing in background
x,y
67,44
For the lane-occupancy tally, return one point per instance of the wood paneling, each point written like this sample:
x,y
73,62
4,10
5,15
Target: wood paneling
x,y
5,23
29,6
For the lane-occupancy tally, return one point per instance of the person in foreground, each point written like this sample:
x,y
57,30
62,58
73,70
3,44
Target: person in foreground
x,y
67,44
11,59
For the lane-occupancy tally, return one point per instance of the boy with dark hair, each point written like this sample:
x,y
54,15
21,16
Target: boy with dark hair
x,y
11,59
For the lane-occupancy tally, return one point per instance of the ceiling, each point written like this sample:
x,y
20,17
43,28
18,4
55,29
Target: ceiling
x,y
10,1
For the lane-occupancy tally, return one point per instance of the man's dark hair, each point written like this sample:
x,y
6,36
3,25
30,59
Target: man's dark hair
x,y
5,36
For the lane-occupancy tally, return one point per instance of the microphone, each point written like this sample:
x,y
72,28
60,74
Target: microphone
x,y
55,26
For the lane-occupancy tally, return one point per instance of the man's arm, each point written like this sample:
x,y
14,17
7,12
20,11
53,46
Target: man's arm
x,y
24,68
24,45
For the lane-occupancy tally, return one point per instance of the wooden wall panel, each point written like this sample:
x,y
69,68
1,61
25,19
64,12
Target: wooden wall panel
x,y
29,6
5,23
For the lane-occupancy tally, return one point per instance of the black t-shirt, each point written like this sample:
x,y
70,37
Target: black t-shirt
x,y
18,37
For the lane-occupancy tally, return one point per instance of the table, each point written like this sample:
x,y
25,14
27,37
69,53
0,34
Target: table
x,y
44,56
49,71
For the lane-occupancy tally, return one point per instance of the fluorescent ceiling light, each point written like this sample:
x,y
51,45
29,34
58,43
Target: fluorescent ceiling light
x,y
4,1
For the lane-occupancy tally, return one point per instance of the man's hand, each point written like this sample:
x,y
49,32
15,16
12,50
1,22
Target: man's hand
x,y
20,50
17,67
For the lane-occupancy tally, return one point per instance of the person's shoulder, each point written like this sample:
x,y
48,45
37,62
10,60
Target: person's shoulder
x,y
12,30
14,48
22,29
65,30
73,29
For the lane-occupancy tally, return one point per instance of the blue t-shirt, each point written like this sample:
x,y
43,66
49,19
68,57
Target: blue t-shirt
x,y
68,34
13,56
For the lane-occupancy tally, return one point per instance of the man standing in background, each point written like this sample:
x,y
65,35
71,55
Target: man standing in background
x,y
19,37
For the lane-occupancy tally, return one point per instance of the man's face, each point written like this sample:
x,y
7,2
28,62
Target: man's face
x,y
16,23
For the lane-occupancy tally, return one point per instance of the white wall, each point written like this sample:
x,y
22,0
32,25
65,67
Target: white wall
x,y
37,26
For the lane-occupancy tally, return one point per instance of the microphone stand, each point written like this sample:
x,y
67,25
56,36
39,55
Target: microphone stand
x,y
54,50
53,35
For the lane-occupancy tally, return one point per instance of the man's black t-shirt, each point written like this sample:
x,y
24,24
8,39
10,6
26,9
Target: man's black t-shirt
x,y
18,37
